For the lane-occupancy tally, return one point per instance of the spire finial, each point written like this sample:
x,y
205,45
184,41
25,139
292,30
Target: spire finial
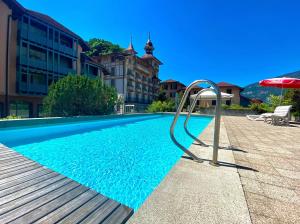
x,y
130,48
149,46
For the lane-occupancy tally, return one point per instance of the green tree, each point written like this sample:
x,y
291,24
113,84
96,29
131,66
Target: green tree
x,y
161,106
79,95
102,47
161,95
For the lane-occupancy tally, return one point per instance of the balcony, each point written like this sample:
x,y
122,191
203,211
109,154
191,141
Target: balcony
x,y
33,88
37,37
66,50
35,63
130,76
66,71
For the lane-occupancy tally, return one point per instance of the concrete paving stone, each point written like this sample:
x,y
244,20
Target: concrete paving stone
x,y
280,193
289,173
260,207
247,173
275,180
265,169
260,219
286,212
251,185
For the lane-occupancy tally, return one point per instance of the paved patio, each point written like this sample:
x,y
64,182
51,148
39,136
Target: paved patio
x,y
272,182
258,181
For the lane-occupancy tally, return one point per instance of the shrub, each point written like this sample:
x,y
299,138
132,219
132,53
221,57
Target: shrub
x,y
261,107
234,107
79,95
11,117
161,106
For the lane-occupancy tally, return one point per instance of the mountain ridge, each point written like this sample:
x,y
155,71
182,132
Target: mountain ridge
x,y
254,91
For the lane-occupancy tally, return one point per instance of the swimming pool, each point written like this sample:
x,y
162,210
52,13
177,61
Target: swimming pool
x,y
122,158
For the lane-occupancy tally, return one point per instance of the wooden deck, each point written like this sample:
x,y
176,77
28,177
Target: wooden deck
x,y
31,193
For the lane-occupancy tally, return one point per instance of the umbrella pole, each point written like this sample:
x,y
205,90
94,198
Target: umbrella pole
x,y
281,95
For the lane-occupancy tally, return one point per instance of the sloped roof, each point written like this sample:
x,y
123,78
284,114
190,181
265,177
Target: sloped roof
x,y
226,84
150,56
171,81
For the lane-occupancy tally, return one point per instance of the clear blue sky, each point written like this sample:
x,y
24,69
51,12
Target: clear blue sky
x,y
238,41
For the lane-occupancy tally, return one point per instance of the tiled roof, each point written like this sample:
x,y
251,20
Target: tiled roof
x,y
150,56
171,81
226,84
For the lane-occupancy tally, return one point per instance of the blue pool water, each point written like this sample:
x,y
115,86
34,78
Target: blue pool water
x,y
124,159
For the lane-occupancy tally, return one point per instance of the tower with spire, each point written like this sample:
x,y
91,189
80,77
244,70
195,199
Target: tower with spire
x,y
149,48
130,49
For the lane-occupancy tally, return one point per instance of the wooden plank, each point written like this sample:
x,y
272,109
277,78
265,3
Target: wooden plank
x,y
16,168
24,179
102,212
13,161
37,187
4,181
9,166
11,205
19,211
83,211
120,215
2,159
26,184
68,208
45,209
18,171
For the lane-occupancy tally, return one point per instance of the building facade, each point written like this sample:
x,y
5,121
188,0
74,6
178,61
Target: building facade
x,y
38,51
171,87
135,78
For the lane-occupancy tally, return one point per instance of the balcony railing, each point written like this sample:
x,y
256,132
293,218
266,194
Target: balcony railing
x,y
34,88
36,63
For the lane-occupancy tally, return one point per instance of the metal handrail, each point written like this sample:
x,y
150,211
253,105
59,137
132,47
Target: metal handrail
x,y
188,116
217,121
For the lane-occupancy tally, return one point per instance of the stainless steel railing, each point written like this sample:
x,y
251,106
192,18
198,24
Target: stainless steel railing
x,y
217,121
192,106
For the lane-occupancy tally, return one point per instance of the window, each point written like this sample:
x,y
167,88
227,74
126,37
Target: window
x,y
229,91
51,34
213,102
1,109
37,53
113,82
174,86
66,62
40,110
20,108
56,36
25,20
37,78
113,71
66,41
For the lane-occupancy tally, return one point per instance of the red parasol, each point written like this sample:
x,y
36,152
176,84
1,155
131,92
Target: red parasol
x,y
283,82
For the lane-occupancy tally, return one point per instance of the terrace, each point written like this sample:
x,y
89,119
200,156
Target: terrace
x,y
258,180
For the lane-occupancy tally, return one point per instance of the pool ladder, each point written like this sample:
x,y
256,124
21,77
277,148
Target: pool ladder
x,y
214,88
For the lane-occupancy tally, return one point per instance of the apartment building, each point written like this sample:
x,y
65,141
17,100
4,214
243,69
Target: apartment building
x,y
172,87
35,51
135,78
